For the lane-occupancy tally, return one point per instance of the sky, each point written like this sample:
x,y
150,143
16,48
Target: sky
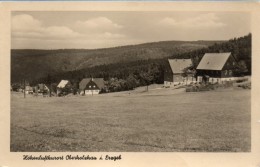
x,y
91,30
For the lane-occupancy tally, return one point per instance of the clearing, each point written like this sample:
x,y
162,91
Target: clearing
x,y
164,120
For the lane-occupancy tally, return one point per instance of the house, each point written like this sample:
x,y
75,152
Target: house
x,y
64,87
16,87
178,73
28,90
216,67
82,85
41,88
91,86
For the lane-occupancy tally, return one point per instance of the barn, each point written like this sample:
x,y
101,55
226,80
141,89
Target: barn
x,y
216,67
178,73
91,86
64,84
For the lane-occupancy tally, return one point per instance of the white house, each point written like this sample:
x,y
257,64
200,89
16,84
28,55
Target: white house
x,y
91,86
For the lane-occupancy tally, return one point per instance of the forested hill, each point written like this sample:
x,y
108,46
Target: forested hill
x,y
32,64
128,75
123,68
240,48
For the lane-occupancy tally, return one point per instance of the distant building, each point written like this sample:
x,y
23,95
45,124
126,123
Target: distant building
x,y
216,67
64,86
179,72
42,88
91,86
82,85
28,90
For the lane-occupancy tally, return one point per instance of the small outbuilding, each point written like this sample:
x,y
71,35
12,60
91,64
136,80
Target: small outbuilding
x,y
64,86
180,72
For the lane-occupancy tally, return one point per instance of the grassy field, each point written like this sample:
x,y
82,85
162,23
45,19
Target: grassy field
x,y
159,120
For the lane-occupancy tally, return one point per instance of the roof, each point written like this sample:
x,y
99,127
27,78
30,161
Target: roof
x,y
99,81
29,88
63,83
83,83
213,61
42,86
178,65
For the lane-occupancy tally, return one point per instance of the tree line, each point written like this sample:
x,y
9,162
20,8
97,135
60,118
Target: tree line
x,y
129,75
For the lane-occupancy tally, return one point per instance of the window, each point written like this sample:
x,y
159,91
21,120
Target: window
x,y
199,78
89,86
94,86
226,72
230,72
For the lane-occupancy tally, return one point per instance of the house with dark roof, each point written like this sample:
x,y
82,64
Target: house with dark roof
x,y
216,67
42,88
91,86
179,72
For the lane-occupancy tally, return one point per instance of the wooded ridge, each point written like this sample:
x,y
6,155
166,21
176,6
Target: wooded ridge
x,y
123,68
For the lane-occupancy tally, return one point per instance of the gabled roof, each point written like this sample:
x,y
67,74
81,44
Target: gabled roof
x,y
29,88
178,65
42,87
213,61
83,83
63,83
99,82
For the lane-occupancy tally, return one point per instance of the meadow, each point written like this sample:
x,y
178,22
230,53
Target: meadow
x,y
160,120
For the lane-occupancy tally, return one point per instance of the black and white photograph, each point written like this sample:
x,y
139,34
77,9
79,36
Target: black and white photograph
x,y
130,81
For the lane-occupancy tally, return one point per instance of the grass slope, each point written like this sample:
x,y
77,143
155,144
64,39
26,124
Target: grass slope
x,y
158,120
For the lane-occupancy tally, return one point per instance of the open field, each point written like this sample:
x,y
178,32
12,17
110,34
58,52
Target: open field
x,y
158,120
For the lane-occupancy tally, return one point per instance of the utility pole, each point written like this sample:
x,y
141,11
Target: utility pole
x,y
50,89
24,88
49,82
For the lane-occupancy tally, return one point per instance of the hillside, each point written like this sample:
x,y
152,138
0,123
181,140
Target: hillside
x,y
32,64
129,75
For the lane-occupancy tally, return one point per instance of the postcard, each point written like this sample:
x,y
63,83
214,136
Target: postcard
x,y
130,84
